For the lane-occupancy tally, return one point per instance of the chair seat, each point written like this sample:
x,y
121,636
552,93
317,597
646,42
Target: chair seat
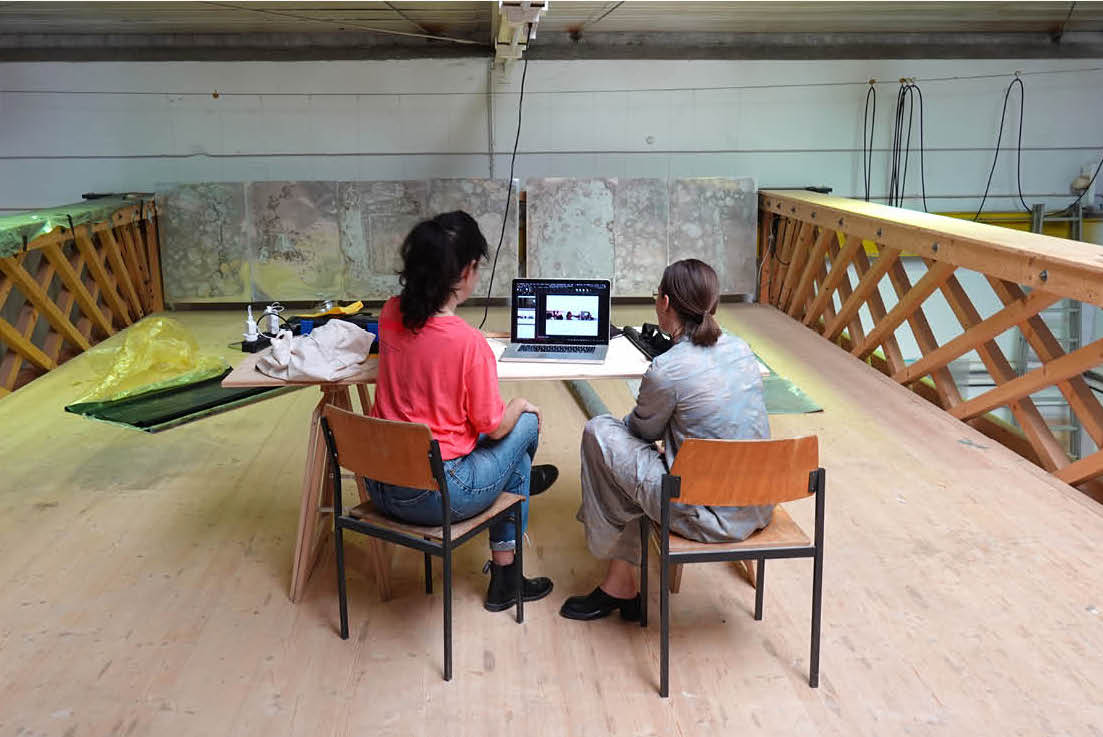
x,y
367,512
782,532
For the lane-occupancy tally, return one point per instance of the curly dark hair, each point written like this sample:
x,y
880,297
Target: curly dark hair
x,y
434,255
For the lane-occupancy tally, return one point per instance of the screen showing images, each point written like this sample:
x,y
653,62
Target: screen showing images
x,y
571,315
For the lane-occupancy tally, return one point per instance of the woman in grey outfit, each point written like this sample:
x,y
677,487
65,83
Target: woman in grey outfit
x,y
707,386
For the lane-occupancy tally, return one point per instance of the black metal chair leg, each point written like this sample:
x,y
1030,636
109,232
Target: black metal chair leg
x,y
447,613
339,544
645,528
519,559
664,628
759,587
428,573
817,586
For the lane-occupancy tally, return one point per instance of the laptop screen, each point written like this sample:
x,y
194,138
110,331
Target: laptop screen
x,y
560,311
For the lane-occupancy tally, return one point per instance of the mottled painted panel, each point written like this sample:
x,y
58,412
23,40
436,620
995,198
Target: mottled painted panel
x,y
485,200
204,252
640,218
374,219
570,228
293,229
715,220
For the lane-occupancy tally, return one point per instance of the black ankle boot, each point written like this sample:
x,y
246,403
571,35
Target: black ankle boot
x,y
501,594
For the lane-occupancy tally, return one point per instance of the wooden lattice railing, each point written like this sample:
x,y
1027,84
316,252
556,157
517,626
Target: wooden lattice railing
x,y
72,287
811,245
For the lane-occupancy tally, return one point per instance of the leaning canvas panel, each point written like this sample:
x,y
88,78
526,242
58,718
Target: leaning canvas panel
x,y
629,229
307,241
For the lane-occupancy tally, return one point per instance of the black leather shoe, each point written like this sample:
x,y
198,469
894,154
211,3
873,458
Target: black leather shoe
x,y
501,594
541,478
598,604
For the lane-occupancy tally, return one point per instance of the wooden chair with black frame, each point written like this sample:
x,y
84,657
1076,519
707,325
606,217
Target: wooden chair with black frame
x,y
403,454
765,472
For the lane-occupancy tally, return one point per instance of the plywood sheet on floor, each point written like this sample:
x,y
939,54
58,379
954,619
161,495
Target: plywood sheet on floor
x,y
143,586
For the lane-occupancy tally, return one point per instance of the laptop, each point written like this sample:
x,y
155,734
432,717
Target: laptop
x,y
563,320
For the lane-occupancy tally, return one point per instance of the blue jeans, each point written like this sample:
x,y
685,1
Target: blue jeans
x,y
474,482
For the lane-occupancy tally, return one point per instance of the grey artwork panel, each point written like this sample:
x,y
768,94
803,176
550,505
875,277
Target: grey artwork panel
x,y
375,218
293,229
204,253
715,220
640,219
484,200
570,228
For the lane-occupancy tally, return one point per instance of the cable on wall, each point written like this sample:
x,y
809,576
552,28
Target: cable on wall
x,y
869,124
509,194
1019,149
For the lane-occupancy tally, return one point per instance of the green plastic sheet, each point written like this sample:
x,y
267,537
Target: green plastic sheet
x,y
24,227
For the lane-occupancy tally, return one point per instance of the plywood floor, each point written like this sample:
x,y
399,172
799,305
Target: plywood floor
x,y
143,586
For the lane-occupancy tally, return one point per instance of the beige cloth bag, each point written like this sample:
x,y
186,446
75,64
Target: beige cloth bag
x,y
331,352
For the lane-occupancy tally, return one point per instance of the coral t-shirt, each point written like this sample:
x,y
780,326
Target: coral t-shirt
x,y
444,376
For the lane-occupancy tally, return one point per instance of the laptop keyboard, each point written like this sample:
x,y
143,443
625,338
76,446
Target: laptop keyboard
x,y
556,348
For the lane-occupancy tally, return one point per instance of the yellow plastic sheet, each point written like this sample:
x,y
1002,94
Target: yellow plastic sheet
x,y
157,353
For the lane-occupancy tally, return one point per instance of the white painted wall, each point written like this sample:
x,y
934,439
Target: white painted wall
x,y
419,118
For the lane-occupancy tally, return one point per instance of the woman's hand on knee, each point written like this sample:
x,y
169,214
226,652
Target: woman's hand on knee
x,y
530,407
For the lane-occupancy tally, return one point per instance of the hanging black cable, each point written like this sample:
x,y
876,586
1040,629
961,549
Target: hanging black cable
x,y
509,194
999,137
1081,196
908,98
922,166
869,125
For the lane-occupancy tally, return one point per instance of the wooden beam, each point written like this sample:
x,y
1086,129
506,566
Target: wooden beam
x,y
893,358
868,280
1050,454
95,267
1082,470
37,296
1082,401
909,302
839,266
114,257
979,333
796,263
16,342
1066,267
777,272
765,263
804,287
132,254
73,283
26,323
152,248
1071,364
845,291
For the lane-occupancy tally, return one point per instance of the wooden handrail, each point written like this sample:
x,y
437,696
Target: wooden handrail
x,y
810,242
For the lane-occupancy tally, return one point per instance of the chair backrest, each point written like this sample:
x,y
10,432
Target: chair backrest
x,y
737,473
383,450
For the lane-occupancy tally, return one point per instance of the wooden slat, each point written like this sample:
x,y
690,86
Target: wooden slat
x,y
826,291
1071,364
133,258
154,258
72,281
765,267
1069,268
893,357
1082,470
114,257
804,286
981,332
107,285
15,341
868,279
1049,453
784,257
908,304
845,291
26,324
1082,401
782,238
35,294
796,263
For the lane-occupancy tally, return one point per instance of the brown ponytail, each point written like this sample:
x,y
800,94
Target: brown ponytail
x,y
694,292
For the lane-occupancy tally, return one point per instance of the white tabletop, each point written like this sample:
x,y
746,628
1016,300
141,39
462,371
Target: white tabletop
x,y
623,361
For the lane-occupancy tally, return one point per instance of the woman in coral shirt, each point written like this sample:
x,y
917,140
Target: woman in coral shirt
x,y
437,370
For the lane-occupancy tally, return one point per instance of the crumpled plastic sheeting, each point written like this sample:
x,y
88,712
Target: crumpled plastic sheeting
x,y
157,353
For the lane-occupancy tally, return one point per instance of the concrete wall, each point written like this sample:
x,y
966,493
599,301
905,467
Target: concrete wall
x,y
428,119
